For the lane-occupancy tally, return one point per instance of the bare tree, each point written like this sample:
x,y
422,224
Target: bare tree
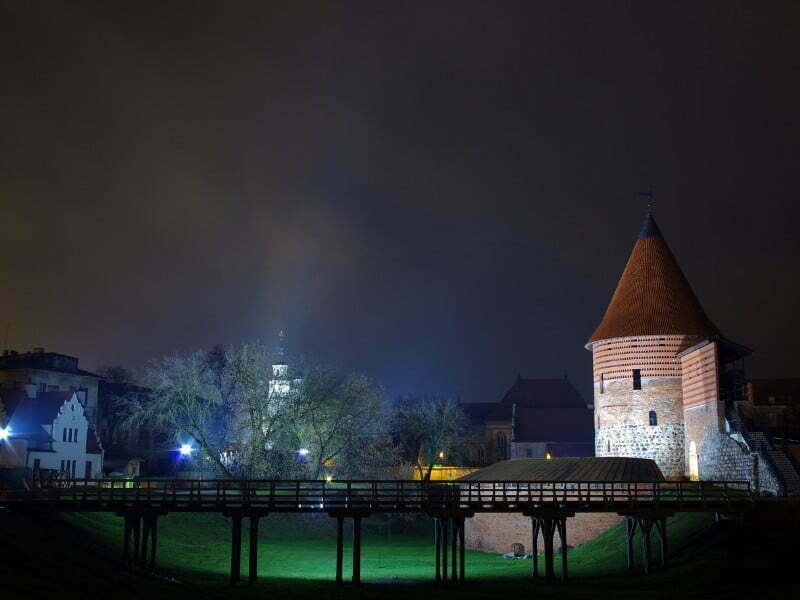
x,y
336,410
184,399
428,429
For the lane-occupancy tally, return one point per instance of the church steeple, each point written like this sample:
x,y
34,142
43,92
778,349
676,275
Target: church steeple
x,y
280,349
653,296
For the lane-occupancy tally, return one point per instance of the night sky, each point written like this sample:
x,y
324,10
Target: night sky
x,y
440,196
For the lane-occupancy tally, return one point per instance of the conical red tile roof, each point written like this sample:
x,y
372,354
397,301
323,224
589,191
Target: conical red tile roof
x,y
653,296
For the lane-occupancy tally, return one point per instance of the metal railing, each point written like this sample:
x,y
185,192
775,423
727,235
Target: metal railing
x,y
376,496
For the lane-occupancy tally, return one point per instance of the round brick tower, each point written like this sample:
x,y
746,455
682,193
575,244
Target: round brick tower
x,y
652,317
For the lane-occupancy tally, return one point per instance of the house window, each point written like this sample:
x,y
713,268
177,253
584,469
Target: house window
x,y
64,435
637,379
37,464
75,436
653,418
88,470
502,445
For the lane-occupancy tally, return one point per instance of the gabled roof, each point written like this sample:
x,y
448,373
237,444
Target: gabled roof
x,y
653,296
543,393
553,425
569,469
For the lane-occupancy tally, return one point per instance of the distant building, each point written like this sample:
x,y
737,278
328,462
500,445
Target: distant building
x,y
773,405
49,435
283,382
536,417
40,371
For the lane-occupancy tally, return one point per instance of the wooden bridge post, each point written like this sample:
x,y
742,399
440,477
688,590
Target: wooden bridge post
x,y
661,525
535,527
357,549
645,526
461,548
454,549
153,539
145,538
236,548
445,538
252,574
137,534
126,538
630,530
437,535
562,534
549,531
339,548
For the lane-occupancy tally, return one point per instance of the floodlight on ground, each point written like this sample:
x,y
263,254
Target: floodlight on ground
x,y
303,452
186,449
5,433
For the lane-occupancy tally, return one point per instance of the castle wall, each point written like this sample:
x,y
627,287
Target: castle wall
x,y
702,409
622,414
496,532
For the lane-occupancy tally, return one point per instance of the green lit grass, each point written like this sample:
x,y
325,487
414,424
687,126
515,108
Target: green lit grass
x,y
297,559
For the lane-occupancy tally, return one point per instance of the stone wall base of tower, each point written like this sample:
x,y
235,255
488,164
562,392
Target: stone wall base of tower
x,y
497,532
662,443
723,458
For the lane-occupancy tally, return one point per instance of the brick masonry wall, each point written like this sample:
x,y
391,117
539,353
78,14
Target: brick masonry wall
x,y
496,532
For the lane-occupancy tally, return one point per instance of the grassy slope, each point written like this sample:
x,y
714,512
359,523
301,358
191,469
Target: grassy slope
x,y
297,557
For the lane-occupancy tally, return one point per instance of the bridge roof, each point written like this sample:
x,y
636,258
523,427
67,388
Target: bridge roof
x,y
570,469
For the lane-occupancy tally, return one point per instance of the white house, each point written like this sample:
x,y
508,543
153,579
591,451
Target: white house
x,y
49,434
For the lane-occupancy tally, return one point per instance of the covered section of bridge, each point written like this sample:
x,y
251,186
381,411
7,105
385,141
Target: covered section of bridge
x,y
575,485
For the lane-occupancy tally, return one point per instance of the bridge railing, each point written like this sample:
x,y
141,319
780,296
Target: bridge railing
x,y
389,496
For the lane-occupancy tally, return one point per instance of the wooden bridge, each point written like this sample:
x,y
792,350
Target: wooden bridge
x,y
140,502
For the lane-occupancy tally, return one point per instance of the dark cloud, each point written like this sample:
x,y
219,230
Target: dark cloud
x,y
439,195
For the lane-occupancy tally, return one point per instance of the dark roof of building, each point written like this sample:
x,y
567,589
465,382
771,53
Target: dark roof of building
x,y
653,297
40,410
476,411
543,393
782,391
553,425
613,469
44,361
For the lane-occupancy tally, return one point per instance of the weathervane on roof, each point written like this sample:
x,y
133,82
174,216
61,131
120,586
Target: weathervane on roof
x,y
649,196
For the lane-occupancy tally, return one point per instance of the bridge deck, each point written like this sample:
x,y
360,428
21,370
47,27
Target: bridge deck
x,y
183,495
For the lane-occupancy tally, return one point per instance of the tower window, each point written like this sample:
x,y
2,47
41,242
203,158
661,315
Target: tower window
x,y
602,384
653,418
637,379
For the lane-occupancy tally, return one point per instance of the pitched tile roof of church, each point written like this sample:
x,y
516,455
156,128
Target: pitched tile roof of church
x,y
653,296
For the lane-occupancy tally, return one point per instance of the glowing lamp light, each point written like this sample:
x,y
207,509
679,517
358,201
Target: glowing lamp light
x,y
303,452
5,433
441,454
548,456
186,449
329,478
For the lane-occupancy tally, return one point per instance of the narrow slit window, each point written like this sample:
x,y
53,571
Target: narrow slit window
x,y
653,418
637,379
602,384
